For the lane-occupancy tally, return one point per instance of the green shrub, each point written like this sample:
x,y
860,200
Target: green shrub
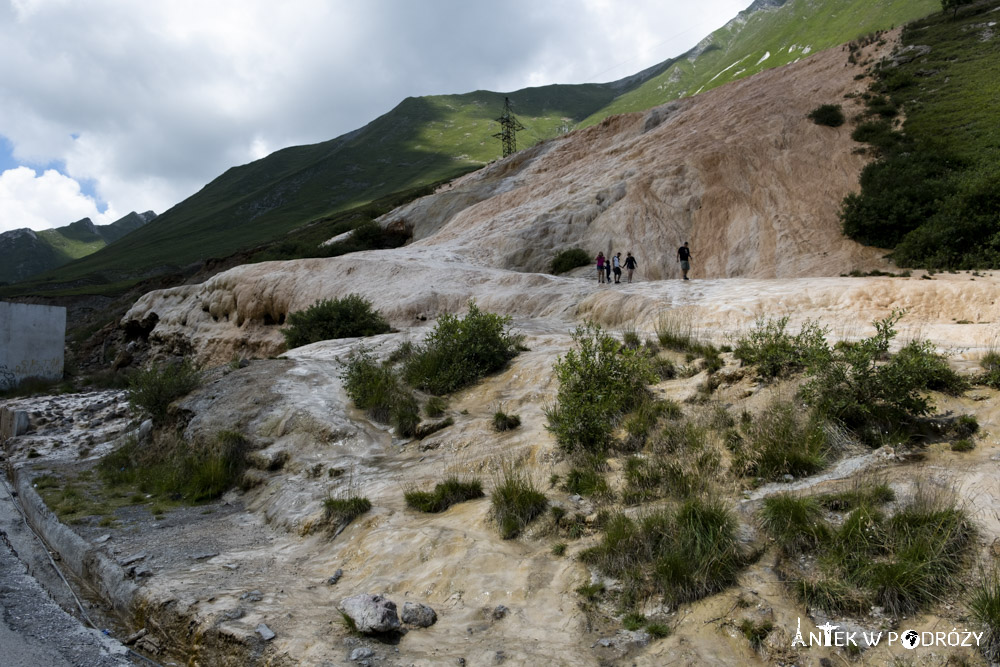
x,y
515,500
919,364
856,388
984,603
598,384
831,115
641,422
567,260
153,389
775,352
445,494
779,443
375,388
990,363
898,194
459,352
878,133
346,317
404,414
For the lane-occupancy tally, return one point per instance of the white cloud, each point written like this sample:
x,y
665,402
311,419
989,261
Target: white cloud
x,y
45,201
151,100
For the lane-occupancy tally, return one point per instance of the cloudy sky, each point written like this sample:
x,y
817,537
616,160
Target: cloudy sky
x,y
109,106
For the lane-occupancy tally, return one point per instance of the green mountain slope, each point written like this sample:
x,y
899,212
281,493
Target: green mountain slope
x,y
24,253
933,194
431,138
770,33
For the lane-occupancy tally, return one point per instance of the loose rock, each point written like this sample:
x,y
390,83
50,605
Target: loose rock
x,y
418,614
371,613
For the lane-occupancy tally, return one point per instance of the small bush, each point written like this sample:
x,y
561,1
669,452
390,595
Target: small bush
x,y
346,317
153,389
445,494
598,384
516,501
990,363
375,388
831,115
459,352
775,352
567,260
855,387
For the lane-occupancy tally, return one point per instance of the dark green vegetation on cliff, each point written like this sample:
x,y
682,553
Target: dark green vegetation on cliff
x,y
933,194
428,139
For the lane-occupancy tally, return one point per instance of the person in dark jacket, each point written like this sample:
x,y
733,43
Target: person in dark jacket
x,y
630,266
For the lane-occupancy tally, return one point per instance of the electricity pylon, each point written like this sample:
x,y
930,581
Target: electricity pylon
x,y
509,125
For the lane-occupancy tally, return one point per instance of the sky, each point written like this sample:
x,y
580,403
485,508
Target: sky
x,y
112,106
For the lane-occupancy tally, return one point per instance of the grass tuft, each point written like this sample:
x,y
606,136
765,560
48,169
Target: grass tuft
x,y
516,501
445,494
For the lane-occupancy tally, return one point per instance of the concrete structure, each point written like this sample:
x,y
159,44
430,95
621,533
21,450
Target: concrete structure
x,y
32,339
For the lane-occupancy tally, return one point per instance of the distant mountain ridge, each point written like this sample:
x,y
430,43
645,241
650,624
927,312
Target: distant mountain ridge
x,y
432,138
25,253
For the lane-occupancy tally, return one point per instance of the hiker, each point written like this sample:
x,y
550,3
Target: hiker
x,y
629,266
616,263
600,267
607,269
684,257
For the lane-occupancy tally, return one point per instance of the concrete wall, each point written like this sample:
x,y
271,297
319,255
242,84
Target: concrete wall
x,y
32,340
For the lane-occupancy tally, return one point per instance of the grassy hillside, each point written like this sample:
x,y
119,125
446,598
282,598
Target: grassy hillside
x,y
24,253
432,138
934,192
779,32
